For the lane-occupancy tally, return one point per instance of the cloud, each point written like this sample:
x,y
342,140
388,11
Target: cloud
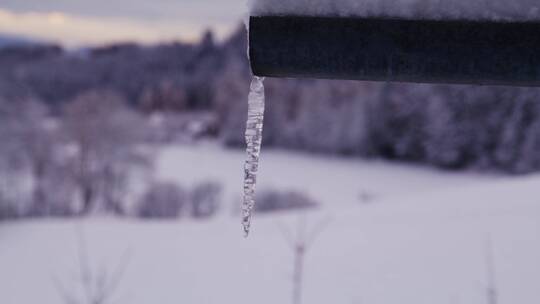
x,y
196,10
75,30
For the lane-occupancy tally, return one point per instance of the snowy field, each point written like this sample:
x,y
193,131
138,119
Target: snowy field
x,y
421,238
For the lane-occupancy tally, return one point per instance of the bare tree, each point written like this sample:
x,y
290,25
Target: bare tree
x,y
39,145
106,134
9,162
28,144
96,285
300,243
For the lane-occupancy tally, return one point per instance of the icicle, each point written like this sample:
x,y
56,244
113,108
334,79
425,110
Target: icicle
x,y
254,128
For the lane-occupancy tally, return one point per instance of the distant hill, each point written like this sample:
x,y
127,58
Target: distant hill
x,y
15,40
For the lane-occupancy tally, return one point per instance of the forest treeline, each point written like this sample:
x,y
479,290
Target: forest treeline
x,y
452,126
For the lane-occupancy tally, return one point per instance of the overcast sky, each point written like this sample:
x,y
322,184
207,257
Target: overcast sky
x,y
81,22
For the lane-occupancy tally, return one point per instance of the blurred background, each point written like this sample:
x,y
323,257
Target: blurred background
x,y
121,166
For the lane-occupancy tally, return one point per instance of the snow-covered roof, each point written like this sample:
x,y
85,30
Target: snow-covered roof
x,y
510,10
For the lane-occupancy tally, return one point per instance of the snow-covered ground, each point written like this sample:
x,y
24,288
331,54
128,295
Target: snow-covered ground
x,y
421,240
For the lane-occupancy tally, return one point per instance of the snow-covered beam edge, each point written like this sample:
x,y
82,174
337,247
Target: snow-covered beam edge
x,y
393,49
495,10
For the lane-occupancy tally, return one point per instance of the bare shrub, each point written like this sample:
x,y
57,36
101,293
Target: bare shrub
x,y
204,199
367,197
90,284
162,200
7,210
300,242
271,200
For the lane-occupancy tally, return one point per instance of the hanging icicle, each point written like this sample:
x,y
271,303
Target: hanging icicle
x,y
254,127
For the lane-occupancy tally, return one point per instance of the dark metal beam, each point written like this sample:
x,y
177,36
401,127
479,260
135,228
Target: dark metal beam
x,y
384,49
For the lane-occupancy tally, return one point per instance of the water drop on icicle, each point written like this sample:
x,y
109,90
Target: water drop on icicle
x,y
254,127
